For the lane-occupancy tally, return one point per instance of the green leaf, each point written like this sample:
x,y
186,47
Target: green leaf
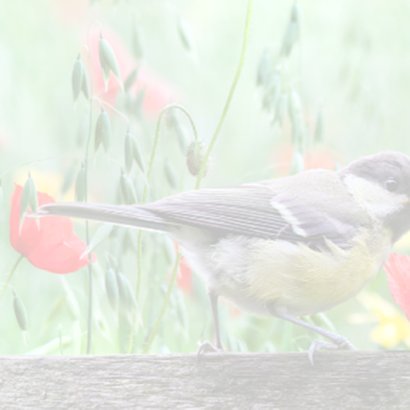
x,y
127,190
20,312
108,59
130,80
103,131
28,197
69,177
77,77
264,68
85,86
33,195
281,108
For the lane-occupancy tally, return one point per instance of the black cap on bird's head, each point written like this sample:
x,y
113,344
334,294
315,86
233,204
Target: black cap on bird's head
x,y
390,170
382,183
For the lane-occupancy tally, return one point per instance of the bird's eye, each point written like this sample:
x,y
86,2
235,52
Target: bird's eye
x,y
391,185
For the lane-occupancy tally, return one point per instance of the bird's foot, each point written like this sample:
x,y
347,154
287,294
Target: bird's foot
x,y
340,343
207,347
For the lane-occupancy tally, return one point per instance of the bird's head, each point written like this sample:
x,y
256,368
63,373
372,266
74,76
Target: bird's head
x,y
381,184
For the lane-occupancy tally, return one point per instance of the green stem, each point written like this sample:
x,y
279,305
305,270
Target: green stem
x,y
87,237
157,136
231,93
149,171
112,108
155,328
11,273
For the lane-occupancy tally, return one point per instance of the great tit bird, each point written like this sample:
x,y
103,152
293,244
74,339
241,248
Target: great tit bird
x,y
288,247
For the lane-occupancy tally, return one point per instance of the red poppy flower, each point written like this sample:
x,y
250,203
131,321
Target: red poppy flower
x,y
184,279
398,273
49,243
316,157
157,92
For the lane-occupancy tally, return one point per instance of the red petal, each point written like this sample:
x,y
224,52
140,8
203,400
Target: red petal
x,y
49,243
157,92
64,257
398,274
184,280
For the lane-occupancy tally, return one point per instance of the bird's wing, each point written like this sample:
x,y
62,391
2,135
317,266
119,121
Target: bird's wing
x,y
312,210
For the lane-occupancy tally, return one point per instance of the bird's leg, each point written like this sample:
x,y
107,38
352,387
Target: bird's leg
x,y
206,346
213,297
337,341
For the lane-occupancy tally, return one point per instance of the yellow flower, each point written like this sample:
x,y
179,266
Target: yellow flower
x,y
392,327
47,182
403,245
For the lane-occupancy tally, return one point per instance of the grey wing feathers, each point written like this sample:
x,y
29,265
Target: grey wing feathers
x,y
262,210
117,214
294,209
237,210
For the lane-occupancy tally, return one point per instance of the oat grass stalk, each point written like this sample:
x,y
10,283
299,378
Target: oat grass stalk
x,y
155,329
231,93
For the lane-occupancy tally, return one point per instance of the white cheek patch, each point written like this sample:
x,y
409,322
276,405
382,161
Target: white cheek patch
x,y
376,200
288,217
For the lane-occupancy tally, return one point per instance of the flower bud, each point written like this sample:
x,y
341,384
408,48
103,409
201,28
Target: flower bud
x,y
194,158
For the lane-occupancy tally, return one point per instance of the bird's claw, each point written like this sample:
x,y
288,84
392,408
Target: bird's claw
x,y
207,347
339,344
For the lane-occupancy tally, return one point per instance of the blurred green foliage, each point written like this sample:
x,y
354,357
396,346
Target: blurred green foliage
x,y
348,65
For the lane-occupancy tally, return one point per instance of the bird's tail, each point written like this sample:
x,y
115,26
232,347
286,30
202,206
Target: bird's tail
x,y
128,215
